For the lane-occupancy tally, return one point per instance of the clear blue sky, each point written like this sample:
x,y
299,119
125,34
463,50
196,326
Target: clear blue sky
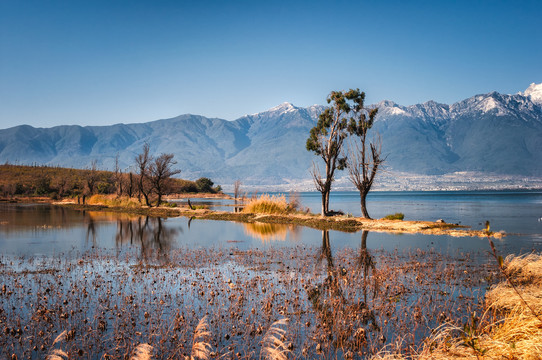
x,y
105,62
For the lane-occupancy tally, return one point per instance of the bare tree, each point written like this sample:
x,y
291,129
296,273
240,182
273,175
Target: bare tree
x,y
236,189
117,176
143,161
129,184
92,178
160,171
362,165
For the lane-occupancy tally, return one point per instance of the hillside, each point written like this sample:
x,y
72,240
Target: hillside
x,y
489,133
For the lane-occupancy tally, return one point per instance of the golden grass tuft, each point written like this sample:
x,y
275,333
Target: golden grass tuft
x,y
57,354
273,345
113,200
142,352
201,349
270,204
525,272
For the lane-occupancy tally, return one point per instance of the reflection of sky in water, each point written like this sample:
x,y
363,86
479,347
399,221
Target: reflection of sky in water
x,y
33,230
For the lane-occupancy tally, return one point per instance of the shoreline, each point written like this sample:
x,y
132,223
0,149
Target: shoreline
x,y
339,223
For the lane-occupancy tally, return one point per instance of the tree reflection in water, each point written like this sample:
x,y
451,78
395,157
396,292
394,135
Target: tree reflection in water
x,y
91,228
152,236
345,320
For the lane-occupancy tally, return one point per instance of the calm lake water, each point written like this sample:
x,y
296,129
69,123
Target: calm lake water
x,y
44,230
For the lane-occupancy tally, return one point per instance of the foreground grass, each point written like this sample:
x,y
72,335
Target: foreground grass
x,y
511,325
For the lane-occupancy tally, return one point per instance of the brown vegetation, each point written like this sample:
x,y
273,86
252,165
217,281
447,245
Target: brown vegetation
x,y
18,182
344,304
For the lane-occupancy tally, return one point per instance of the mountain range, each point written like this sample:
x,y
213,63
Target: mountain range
x,y
489,133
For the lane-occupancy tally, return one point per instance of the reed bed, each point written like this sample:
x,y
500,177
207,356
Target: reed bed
x,y
114,201
150,303
271,204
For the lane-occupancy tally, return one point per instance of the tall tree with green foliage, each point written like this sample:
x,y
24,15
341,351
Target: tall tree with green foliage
x,y
362,164
326,140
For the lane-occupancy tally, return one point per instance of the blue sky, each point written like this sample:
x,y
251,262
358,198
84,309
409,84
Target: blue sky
x,y
105,62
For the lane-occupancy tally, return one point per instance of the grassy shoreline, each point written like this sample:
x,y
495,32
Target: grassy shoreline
x,y
339,223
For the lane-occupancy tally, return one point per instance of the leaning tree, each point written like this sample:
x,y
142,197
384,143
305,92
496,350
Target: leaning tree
x,y
326,140
362,164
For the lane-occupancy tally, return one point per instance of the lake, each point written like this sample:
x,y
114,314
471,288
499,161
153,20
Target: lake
x,y
116,280
27,230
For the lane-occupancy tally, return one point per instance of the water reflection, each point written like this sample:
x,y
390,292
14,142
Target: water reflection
x,y
366,265
269,232
345,320
150,234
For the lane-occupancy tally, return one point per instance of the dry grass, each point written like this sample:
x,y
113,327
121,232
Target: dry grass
x,y
526,274
273,343
142,352
270,204
201,349
57,354
516,335
113,200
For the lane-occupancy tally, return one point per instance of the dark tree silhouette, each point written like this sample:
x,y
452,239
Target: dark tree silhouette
x,y
161,170
143,161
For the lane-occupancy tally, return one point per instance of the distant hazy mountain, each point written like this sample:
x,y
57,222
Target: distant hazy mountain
x,y
491,133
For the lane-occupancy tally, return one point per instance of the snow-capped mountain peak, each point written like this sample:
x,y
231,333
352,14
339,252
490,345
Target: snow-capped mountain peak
x,y
534,91
284,107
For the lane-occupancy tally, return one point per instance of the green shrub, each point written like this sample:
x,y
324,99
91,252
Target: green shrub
x,y
396,216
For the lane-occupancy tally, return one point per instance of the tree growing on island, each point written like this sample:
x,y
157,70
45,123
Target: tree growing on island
x,y
161,170
362,165
326,140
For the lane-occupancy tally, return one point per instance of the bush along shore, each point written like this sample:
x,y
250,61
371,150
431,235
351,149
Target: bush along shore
x,y
276,210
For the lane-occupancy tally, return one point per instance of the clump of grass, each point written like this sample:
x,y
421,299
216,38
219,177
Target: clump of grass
x,y
270,204
396,216
273,345
526,274
112,200
201,349
142,352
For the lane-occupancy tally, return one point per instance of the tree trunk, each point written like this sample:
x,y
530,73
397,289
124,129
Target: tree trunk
x,y
146,196
364,212
327,201
324,210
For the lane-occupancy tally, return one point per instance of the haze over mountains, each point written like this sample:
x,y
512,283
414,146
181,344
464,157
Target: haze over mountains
x,y
490,133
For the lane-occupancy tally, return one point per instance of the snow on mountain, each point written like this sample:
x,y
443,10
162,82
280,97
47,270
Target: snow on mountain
x,y
534,91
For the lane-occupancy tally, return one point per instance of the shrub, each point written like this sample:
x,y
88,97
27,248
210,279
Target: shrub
x,y
396,216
